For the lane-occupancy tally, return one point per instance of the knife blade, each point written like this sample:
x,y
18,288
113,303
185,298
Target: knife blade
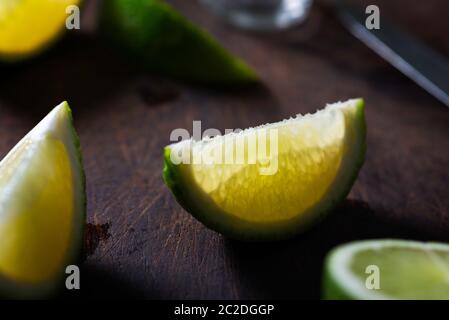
x,y
423,65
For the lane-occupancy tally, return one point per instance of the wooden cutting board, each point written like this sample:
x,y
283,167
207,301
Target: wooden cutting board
x,y
141,243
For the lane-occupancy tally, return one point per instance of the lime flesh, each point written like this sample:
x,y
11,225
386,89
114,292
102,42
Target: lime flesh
x,y
405,270
42,207
274,195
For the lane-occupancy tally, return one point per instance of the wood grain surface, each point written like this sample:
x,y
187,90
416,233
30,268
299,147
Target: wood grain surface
x,y
142,244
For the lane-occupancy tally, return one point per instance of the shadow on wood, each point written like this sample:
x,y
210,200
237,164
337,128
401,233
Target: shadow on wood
x,y
282,270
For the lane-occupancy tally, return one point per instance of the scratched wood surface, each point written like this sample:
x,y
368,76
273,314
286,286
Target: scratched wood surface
x,y
141,244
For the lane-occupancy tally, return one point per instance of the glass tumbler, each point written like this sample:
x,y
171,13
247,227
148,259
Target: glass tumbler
x,y
264,15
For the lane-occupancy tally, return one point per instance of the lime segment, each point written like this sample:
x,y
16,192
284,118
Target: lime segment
x,y
309,164
404,270
26,26
42,207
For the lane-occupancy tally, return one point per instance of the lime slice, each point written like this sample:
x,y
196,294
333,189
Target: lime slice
x,y
42,207
28,26
309,164
154,34
387,269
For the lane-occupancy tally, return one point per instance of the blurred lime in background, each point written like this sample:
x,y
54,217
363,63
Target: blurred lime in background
x,y
29,26
387,269
162,40
42,208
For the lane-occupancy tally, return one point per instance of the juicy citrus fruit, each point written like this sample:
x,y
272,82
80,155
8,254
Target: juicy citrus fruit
x,y
248,186
157,36
42,207
27,26
404,270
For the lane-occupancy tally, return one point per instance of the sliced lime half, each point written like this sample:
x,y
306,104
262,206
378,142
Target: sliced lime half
x,y
387,269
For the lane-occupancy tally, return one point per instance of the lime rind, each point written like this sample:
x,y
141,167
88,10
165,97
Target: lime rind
x,y
152,34
339,283
201,206
58,124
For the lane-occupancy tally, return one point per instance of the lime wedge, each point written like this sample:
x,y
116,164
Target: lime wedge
x,y
309,164
28,26
42,207
160,39
387,269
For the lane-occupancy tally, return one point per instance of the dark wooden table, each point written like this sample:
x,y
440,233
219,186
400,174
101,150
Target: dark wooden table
x,y
141,243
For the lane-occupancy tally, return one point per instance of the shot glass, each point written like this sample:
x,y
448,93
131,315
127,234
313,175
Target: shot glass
x,y
263,15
